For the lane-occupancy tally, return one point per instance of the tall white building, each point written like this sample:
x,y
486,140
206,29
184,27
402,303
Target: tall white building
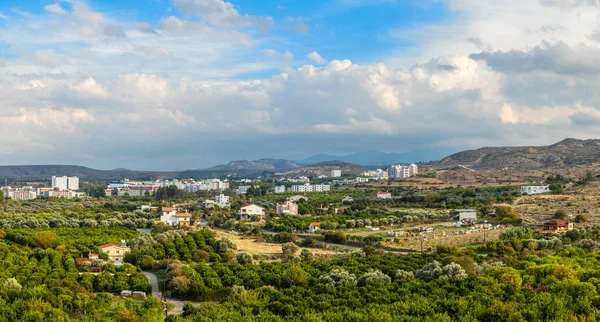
x,y
336,173
65,183
280,189
398,172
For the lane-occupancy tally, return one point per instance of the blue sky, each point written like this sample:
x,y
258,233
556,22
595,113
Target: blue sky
x,y
183,84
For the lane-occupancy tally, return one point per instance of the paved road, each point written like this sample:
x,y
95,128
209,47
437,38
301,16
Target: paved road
x,y
178,309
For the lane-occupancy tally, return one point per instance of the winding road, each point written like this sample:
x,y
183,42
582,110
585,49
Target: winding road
x,y
178,304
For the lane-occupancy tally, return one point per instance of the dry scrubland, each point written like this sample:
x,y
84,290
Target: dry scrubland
x,y
249,245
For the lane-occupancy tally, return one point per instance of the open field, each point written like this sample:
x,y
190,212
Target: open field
x,y
249,245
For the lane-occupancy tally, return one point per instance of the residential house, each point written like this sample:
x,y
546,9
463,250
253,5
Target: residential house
x,y
534,190
171,217
348,199
248,211
287,208
384,195
314,226
556,226
115,252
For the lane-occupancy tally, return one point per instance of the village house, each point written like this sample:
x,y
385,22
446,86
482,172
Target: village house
x,y
314,226
172,218
115,252
287,208
384,195
556,226
534,190
249,211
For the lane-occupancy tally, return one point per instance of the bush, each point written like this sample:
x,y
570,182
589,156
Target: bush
x,y
403,276
580,218
375,278
243,258
560,214
338,278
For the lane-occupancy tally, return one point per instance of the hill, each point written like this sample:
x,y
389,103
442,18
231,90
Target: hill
x,y
272,165
324,169
45,172
566,153
376,158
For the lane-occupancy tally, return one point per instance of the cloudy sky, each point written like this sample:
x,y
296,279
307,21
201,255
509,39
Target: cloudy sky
x,y
182,84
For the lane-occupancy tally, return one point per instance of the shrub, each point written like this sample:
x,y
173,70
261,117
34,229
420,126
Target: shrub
x,y
375,278
243,258
338,278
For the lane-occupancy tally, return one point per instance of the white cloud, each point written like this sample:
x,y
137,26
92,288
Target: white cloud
x,y
55,8
220,13
314,56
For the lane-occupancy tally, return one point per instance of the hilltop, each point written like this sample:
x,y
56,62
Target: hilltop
x,y
566,153
324,168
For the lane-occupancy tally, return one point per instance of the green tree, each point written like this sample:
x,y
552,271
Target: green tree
x,y
46,239
295,276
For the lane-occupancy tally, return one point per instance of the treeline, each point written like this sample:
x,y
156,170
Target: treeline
x,y
451,285
136,219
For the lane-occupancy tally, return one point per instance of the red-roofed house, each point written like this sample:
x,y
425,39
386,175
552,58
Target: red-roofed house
x,y
556,226
384,195
314,226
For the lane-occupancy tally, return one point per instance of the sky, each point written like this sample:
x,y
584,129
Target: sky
x,y
186,84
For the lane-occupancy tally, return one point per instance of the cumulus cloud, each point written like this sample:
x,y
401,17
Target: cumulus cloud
x,y
506,72
314,56
220,13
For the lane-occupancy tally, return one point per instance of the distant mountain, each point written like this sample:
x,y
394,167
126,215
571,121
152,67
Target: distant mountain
x,y
375,158
274,165
45,172
566,153
324,168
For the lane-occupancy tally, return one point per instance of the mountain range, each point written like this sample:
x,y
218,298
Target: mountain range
x,y
376,158
566,153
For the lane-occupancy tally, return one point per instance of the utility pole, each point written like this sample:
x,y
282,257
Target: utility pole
x,y
484,231
165,297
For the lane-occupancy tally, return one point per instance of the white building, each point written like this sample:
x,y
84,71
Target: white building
x,y
171,217
241,190
65,183
222,201
378,174
464,214
534,190
384,195
336,173
287,208
280,189
311,188
348,199
398,172
248,211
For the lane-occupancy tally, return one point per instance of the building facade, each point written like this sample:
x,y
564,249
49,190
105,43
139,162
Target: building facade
x,y
65,183
336,173
287,208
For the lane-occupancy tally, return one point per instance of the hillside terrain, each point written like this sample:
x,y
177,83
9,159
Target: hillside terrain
x,y
566,153
275,165
324,169
44,172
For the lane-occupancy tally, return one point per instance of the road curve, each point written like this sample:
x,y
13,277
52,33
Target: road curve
x,y
178,304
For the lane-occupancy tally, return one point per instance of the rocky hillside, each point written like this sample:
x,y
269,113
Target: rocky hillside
x,y
566,153
324,168
272,165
